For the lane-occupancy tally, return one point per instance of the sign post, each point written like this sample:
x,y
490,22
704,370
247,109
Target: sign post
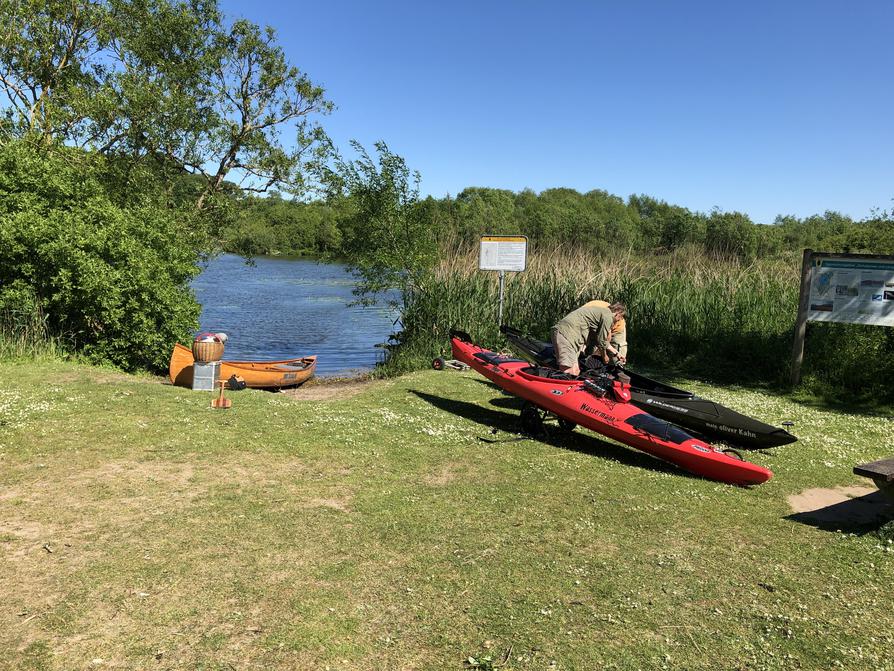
x,y
503,253
801,322
845,288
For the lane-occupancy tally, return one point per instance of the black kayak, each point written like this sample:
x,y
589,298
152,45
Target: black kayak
x,y
674,405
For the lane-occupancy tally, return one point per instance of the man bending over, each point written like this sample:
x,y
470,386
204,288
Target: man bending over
x,y
588,326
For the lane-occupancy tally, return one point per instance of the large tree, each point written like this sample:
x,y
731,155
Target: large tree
x,y
123,120
171,80
390,243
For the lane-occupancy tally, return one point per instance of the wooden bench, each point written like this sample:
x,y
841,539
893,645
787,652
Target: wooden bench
x,y
881,472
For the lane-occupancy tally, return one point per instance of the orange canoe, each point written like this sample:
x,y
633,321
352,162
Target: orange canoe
x,y
258,374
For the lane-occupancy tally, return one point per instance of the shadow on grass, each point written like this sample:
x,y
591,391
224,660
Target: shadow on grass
x,y
554,436
859,515
492,385
850,404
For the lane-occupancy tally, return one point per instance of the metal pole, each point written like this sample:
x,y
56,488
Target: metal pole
x,y
500,313
801,323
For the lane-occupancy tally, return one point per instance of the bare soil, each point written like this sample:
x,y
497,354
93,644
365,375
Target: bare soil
x,y
853,505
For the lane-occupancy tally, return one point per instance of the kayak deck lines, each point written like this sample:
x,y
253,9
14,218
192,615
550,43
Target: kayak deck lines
x,y
603,405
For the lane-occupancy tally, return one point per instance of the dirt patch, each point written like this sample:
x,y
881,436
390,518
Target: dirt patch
x,y
325,390
443,477
335,504
315,389
106,376
118,493
814,499
840,506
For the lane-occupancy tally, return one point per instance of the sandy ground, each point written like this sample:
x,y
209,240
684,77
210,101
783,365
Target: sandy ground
x,y
857,505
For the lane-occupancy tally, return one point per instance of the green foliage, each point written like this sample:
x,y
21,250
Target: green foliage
x,y
663,225
481,211
482,663
168,79
730,234
276,226
387,242
253,92
849,362
24,335
109,271
123,125
595,222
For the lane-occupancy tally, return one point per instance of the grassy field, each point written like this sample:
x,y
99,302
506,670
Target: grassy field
x,y
372,528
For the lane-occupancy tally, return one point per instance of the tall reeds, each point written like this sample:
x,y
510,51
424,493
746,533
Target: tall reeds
x,y
688,312
25,337
686,309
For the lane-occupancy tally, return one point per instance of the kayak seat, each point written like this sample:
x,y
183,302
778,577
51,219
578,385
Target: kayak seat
x,y
548,373
658,428
494,358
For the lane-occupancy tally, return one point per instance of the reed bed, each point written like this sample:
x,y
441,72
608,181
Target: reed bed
x,y
25,337
689,313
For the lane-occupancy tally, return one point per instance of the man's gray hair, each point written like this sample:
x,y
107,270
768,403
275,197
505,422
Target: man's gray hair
x,y
618,308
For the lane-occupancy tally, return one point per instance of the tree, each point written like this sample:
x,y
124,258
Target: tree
x,y
731,234
111,278
106,74
254,92
389,245
114,113
167,79
482,211
668,226
612,219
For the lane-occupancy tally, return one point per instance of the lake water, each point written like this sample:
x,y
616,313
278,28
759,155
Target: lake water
x,y
285,308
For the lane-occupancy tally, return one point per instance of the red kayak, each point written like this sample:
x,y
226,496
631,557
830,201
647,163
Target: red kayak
x,y
602,404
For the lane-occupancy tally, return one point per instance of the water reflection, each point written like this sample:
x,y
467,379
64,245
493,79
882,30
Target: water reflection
x,y
284,308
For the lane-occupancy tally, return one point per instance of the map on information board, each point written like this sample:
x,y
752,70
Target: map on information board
x,y
503,252
852,290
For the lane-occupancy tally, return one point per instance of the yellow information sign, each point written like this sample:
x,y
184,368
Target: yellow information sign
x,y
503,252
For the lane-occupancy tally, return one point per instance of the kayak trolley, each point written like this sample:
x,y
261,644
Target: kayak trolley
x,y
534,417
440,363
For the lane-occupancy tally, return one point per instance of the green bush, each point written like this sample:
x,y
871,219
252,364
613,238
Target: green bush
x,y
109,270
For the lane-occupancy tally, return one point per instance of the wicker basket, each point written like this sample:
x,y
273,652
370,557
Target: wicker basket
x,y
204,352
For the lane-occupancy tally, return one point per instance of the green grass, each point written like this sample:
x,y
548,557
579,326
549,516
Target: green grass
x,y
142,528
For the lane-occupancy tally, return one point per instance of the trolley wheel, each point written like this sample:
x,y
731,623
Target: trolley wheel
x,y
439,363
531,419
567,425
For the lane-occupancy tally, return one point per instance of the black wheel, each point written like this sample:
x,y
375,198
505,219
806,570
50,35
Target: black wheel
x,y
567,425
439,363
531,420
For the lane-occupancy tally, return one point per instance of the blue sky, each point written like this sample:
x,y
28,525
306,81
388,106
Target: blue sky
x,y
761,107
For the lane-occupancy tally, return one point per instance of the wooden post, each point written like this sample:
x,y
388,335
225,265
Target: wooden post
x,y
801,323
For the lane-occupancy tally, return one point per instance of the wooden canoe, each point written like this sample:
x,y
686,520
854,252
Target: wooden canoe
x,y
257,374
